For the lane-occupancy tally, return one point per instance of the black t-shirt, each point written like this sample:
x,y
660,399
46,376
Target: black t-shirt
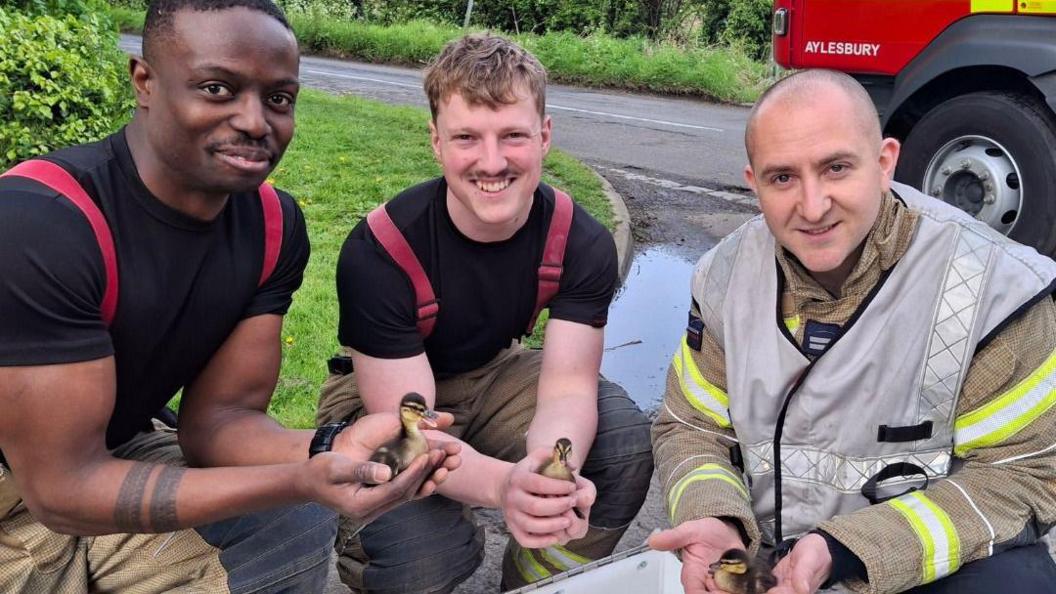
x,y
486,291
184,284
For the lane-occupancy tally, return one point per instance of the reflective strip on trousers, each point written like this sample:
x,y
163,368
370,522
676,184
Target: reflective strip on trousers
x,y
530,569
562,558
703,473
699,392
937,534
1009,413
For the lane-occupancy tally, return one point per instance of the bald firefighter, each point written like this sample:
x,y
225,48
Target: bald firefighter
x,y
866,381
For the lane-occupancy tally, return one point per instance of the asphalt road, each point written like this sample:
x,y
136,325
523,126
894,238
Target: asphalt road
x,y
685,141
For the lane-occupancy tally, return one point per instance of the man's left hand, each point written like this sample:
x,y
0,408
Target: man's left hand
x,y
805,569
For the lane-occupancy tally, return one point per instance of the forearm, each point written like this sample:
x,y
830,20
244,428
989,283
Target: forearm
x,y
116,495
478,481
574,417
692,446
242,437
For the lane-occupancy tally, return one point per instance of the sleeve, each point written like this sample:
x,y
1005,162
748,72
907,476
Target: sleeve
x,y
589,280
52,280
693,436
1001,492
276,294
376,301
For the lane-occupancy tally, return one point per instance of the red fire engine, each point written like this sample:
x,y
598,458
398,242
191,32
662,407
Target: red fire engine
x,y
967,86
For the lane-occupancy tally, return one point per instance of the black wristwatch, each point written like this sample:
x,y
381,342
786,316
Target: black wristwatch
x,y
324,437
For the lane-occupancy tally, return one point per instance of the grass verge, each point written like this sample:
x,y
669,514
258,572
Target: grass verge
x,y
349,155
596,61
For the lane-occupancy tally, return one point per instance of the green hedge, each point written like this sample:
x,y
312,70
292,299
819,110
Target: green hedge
x,y
63,80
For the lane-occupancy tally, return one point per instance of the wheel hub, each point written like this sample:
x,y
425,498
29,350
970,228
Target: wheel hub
x,y
977,175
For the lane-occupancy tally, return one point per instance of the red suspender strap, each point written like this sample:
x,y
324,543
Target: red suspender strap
x,y
553,254
269,202
58,179
396,245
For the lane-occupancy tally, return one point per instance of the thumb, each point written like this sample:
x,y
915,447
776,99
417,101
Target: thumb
x,y
370,473
671,539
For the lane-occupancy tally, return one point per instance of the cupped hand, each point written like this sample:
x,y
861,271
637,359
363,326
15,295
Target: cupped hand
x,y
805,569
538,509
702,542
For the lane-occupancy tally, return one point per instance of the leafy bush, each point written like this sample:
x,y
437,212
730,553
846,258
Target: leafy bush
x,y
62,79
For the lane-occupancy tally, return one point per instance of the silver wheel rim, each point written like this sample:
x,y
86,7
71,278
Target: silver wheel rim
x,y
978,175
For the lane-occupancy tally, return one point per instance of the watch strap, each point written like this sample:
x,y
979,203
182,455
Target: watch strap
x,y
324,437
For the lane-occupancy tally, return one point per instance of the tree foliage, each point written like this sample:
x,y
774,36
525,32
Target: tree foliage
x,y
63,80
740,23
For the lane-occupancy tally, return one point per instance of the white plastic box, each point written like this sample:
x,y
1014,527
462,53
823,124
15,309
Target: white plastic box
x,y
637,571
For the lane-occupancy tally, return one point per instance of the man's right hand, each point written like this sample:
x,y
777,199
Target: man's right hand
x,y
537,508
347,482
702,542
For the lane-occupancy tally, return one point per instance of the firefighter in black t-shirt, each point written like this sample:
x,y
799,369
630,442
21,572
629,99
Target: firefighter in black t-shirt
x,y
479,234
164,220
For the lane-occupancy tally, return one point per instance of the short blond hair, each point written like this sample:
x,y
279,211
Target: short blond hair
x,y
485,70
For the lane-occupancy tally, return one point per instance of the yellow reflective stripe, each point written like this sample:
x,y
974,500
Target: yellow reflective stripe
x,y
1038,7
530,569
1009,413
703,473
993,5
562,558
699,392
936,532
792,324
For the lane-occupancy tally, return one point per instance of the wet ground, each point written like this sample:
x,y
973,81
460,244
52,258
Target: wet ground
x,y
672,226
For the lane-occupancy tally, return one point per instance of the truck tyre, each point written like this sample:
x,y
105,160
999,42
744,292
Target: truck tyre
x,y
992,154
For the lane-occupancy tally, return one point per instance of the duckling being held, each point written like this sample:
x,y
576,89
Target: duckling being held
x,y
400,452
737,573
557,466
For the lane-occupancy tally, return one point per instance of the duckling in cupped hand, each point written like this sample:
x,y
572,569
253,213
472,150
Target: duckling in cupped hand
x,y
557,466
399,453
737,573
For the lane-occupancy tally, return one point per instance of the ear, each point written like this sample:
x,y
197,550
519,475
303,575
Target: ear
x,y
749,178
142,76
434,139
889,150
546,133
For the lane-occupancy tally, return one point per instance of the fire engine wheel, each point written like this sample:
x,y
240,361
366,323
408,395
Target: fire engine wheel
x,y
992,154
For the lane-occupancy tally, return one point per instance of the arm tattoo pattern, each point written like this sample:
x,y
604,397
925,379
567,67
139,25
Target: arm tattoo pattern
x,y
128,509
132,497
163,501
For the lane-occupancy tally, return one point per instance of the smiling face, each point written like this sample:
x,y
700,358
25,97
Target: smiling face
x,y
216,102
492,159
819,175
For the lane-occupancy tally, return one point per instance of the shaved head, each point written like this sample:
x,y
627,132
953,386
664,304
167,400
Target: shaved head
x,y
804,88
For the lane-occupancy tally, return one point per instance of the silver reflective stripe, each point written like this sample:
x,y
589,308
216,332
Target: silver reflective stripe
x,y
1010,412
937,534
562,558
530,569
948,347
842,473
699,392
712,300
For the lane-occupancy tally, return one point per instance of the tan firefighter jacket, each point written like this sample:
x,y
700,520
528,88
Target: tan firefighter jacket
x,y
944,364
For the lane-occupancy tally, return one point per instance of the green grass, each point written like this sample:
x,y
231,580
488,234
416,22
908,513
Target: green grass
x,y
349,155
597,61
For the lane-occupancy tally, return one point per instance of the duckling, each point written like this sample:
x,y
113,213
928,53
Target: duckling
x,y
557,466
400,452
737,573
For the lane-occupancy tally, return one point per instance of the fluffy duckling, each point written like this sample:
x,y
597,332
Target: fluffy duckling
x,y
400,452
557,466
737,573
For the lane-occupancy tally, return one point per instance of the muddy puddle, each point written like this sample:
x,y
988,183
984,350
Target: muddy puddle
x,y
646,321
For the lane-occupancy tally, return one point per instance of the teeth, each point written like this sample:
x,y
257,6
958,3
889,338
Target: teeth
x,y
493,186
